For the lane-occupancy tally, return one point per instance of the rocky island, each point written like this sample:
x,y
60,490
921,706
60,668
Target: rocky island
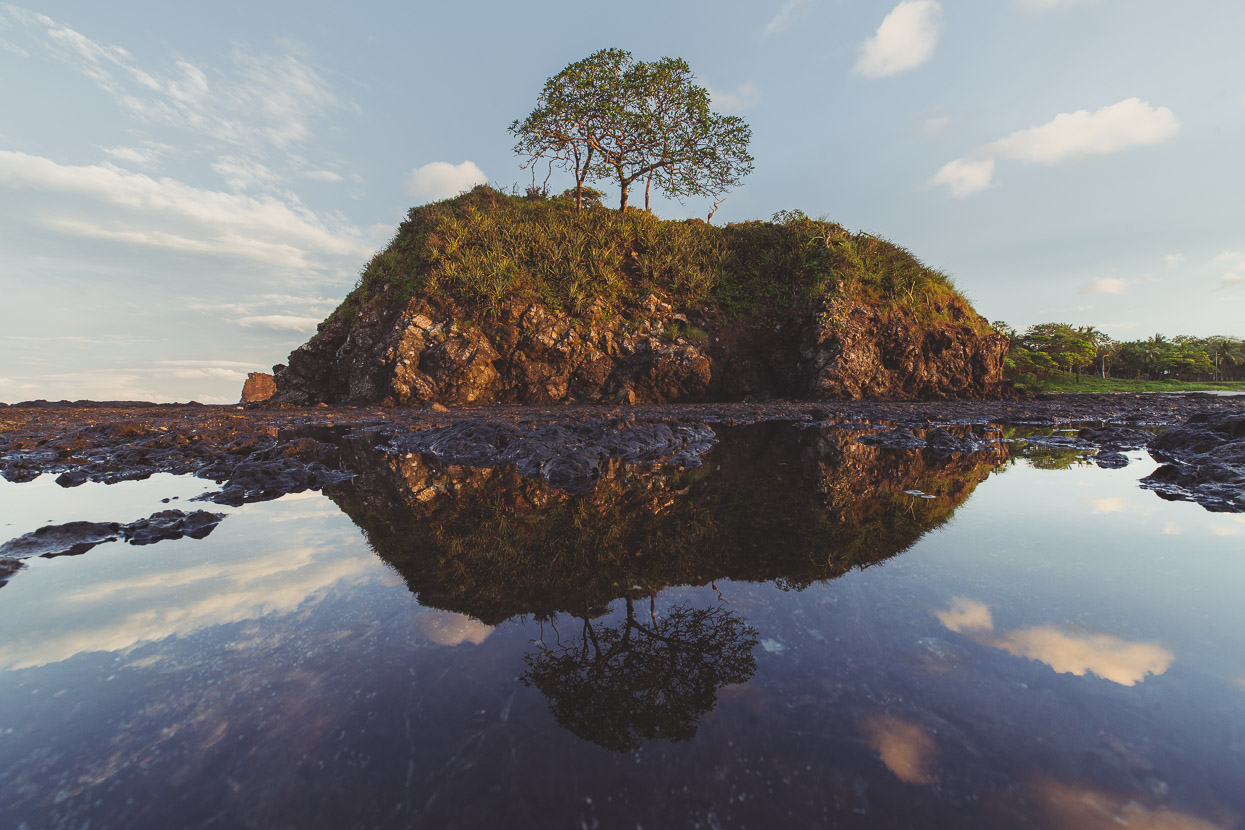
x,y
492,298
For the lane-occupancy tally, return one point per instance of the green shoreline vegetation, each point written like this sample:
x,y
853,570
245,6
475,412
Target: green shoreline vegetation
x,y
1057,357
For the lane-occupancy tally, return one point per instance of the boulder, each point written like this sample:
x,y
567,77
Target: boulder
x,y
259,386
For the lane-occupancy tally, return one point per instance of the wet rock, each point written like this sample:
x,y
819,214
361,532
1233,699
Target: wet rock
x,y
567,455
1116,438
939,442
74,538
264,479
259,387
1111,460
171,524
8,567
1204,462
896,439
69,539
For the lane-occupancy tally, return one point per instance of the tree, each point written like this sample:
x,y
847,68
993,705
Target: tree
x,y
610,116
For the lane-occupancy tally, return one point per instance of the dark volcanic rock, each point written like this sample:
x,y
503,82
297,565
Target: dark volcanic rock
x,y
420,351
73,538
8,567
1204,462
938,442
259,386
568,456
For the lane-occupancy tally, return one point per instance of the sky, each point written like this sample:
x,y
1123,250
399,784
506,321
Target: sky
x,y
186,190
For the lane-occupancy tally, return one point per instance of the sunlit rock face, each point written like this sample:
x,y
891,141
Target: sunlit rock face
x,y
768,502
418,351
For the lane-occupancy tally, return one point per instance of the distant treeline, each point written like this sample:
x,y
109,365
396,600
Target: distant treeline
x,y
1049,348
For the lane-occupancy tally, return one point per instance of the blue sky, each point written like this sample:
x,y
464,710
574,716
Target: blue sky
x,y
186,191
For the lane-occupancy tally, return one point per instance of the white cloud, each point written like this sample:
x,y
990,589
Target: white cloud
x,y
164,213
1235,275
741,98
964,177
1067,137
1105,285
905,40
779,22
281,322
321,176
441,180
935,123
1082,134
1048,5
1174,260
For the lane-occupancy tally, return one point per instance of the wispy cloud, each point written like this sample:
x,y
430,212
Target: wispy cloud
x,y
743,97
1067,137
1105,285
164,213
782,21
441,180
905,40
1174,260
280,322
1235,262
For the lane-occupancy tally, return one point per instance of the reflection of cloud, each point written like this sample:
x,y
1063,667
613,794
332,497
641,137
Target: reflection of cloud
x,y
966,615
445,628
1172,529
1114,504
1104,655
177,595
1086,808
905,748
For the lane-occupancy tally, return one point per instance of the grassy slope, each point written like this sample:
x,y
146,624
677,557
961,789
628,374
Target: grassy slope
x,y
1067,382
484,247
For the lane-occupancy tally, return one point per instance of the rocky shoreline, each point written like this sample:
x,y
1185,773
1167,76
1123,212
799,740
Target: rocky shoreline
x,y
264,451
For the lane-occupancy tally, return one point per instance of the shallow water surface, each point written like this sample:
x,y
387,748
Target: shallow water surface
x,y
803,631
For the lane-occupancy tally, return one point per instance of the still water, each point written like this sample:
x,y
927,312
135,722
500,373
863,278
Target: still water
x,y
804,631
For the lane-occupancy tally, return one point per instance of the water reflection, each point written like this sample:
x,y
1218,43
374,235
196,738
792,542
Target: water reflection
x,y
1065,651
770,503
623,684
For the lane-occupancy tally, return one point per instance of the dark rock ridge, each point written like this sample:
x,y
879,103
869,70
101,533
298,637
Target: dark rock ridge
x,y
568,456
74,538
401,352
1204,462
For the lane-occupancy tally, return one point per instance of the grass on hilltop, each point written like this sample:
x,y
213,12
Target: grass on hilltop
x,y
486,247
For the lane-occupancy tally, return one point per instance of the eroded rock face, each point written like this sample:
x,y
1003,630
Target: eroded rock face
x,y
259,386
427,352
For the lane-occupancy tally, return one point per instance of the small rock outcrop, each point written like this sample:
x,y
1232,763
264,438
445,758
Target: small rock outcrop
x,y
259,387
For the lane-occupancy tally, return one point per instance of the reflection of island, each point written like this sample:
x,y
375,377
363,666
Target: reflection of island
x,y
620,685
770,502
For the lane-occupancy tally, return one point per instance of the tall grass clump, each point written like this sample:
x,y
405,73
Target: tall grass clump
x,y
484,248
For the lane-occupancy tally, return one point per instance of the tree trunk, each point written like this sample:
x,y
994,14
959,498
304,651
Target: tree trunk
x,y
648,184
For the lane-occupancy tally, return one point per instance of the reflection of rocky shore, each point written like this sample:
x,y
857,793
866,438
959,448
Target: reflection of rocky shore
x,y
771,502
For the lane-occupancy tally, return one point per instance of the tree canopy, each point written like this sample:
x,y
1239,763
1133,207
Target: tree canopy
x,y
610,116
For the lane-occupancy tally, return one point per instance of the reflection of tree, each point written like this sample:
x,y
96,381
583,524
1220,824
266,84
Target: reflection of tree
x,y
619,686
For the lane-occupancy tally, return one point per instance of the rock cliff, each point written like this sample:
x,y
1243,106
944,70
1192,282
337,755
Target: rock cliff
x,y
829,324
